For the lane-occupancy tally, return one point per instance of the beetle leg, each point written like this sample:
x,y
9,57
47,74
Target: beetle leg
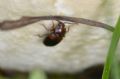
x,y
69,26
53,25
48,30
41,35
67,30
45,27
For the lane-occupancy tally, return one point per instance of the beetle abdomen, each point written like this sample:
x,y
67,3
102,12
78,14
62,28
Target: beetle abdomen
x,y
51,42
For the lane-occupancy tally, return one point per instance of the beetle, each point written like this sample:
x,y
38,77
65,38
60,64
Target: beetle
x,y
55,35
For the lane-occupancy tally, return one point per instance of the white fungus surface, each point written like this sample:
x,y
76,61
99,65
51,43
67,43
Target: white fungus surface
x,y
82,47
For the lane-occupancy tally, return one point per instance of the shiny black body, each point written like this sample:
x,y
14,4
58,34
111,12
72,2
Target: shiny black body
x,y
56,35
